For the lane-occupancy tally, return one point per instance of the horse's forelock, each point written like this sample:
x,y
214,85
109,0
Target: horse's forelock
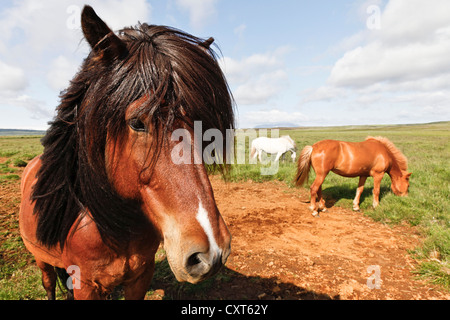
x,y
178,72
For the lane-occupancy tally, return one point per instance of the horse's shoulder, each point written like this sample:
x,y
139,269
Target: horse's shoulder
x,y
30,173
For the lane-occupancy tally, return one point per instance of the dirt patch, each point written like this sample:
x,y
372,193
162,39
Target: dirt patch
x,y
341,255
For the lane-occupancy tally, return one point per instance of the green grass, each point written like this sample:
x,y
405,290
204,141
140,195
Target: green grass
x,y
18,278
20,149
427,147
22,284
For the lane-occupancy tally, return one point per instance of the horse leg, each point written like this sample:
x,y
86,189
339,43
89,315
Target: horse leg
x,y
255,154
376,189
137,289
317,184
48,278
321,200
278,156
359,191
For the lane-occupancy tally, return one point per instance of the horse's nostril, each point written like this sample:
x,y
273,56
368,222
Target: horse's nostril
x,y
201,265
193,260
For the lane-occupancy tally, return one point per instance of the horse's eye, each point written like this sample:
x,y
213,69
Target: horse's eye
x,y
137,125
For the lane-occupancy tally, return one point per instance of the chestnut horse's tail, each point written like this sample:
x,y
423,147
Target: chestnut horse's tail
x,y
303,166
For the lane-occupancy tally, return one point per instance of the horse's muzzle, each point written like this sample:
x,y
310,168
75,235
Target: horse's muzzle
x,y
202,265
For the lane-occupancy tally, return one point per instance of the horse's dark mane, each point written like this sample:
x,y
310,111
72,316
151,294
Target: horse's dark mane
x,y
183,81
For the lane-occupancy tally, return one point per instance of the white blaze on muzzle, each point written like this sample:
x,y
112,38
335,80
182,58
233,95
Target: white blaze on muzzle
x,y
203,220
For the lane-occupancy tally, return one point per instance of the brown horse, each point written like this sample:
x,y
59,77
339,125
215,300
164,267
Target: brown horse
x,y
372,157
105,192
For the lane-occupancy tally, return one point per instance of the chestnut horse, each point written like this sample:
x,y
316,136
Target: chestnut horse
x,y
372,157
105,192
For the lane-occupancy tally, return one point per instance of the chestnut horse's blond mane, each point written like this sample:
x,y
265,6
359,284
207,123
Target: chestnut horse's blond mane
x,y
396,153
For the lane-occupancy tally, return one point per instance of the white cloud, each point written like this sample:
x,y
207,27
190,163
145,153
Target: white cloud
x,y
37,109
239,30
324,93
409,21
273,117
377,62
242,70
52,27
45,39
42,26
61,72
12,78
200,11
412,44
122,13
261,89
403,66
258,78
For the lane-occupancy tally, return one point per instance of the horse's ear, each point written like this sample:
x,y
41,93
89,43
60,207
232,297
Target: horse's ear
x,y
99,36
207,43
408,175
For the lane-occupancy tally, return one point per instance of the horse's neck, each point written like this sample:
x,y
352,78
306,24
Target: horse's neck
x,y
286,142
394,171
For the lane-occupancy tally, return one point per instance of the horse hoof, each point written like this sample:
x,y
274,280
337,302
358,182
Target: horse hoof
x,y
316,214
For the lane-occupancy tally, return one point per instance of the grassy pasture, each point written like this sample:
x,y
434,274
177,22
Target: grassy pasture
x,y
427,208
19,278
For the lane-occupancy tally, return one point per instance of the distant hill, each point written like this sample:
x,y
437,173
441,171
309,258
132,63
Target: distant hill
x,y
21,132
276,125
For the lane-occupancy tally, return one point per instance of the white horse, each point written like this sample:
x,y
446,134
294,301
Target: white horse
x,y
273,145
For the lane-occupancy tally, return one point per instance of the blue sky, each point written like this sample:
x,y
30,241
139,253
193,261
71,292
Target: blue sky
x,y
295,63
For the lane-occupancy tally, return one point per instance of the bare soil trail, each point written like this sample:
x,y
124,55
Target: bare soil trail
x,y
275,237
